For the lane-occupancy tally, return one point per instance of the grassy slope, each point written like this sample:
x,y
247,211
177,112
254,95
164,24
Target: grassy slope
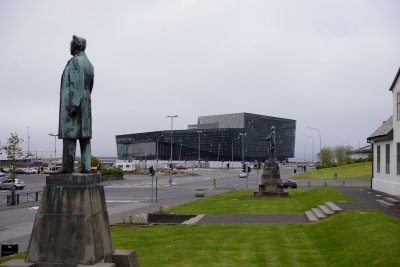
x,y
358,171
243,202
348,239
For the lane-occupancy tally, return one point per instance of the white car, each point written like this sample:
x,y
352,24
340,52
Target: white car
x,y
243,175
8,184
2,174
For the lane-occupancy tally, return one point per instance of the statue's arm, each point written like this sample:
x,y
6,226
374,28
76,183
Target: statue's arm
x,y
77,84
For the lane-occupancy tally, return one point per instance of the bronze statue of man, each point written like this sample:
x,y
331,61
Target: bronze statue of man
x,y
75,118
272,142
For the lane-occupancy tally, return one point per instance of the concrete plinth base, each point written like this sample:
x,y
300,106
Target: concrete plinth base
x,y
72,225
125,258
271,182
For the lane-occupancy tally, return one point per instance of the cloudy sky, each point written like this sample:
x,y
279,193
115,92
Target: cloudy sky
x,y
326,64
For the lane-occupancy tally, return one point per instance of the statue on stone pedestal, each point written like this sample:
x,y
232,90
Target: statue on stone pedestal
x,y
272,143
75,117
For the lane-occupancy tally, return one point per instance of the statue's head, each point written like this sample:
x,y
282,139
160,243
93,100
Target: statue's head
x,y
272,128
77,44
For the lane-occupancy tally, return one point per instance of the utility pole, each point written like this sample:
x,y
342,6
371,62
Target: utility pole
x,y
172,130
198,148
29,145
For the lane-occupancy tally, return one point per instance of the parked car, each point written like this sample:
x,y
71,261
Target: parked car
x,y
8,184
181,167
32,170
21,171
286,183
243,175
5,169
2,174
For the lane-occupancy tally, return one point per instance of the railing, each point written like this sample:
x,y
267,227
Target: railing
x,y
18,198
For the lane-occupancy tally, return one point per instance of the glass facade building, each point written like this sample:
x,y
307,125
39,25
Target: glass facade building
x,y
226,137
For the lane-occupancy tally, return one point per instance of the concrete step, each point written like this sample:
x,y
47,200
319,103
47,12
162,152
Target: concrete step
x,y
386,204
333,206
194,219
311,216
320,215
392,200
325,209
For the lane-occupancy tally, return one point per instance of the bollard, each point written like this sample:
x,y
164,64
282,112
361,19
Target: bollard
x,y
17,198
214,183
309,184
344,184
326,183
37,196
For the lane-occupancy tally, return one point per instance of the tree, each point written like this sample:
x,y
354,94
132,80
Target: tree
x,y
14,152
95,162
326,156
341,154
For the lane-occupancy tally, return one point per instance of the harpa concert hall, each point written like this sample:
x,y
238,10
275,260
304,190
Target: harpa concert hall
x,y
228,137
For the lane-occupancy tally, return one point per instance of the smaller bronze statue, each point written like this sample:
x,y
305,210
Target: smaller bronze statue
x,y
75,119
272,143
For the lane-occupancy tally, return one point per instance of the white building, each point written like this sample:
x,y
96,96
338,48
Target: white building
x,y
386,148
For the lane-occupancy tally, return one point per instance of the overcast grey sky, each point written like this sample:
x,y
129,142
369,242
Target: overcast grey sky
x,y
326,64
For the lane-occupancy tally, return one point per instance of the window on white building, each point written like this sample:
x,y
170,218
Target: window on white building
x,y
398,158
378,159
398,106
387,158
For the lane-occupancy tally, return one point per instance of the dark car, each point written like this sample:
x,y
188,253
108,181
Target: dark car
x,y
286,183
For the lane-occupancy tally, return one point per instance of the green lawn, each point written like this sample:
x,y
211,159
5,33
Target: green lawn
x,y
358,171
19,256
347,239
243,202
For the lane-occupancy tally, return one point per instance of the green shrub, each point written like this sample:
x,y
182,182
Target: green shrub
x,y
113,171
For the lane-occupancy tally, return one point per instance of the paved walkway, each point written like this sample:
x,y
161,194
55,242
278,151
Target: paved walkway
x,y
255,218
366,200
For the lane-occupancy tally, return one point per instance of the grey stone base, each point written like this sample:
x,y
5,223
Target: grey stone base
x,y
125,258
271,182
72,225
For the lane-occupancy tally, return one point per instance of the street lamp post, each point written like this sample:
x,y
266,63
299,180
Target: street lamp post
x,y
312,147
319,134
55,144
242,135
172,129
198,148
55,147
29,152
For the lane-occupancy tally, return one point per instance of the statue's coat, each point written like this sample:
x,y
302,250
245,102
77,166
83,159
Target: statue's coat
x,y
76,87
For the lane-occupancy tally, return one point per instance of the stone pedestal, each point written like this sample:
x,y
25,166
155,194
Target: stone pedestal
x,y
270,181
72,225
